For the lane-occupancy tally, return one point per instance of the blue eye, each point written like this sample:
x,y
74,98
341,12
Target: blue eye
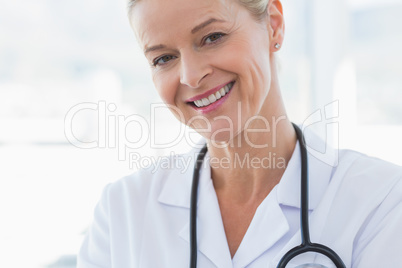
x,y
212,38
162,60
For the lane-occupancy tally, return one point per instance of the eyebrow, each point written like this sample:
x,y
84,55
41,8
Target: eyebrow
x,y
153,48
193,31
204,24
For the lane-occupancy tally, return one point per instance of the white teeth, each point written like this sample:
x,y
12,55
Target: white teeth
x,y
222,91
205,101
213,97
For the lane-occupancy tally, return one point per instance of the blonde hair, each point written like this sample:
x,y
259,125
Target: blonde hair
x,y
256,7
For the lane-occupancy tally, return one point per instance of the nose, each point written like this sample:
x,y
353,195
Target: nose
x,y
194,68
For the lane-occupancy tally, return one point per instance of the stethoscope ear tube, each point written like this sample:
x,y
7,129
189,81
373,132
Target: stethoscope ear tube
x,y
306,245
193,207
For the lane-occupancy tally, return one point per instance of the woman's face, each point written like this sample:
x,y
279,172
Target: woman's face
x,y
210,61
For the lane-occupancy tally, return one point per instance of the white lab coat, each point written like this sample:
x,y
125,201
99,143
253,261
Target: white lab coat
x,y
355,208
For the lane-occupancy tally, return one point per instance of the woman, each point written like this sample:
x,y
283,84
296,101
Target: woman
x,y
213,63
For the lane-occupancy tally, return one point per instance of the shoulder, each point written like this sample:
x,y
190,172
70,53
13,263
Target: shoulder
x,y
360,187
366,185
362,201
369,198
362,170
369,163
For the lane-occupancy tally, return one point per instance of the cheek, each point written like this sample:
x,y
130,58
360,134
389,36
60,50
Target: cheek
x,y
248,58
165,86
254,75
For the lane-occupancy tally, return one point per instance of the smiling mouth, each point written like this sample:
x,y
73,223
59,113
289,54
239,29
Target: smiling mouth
x,y
214,96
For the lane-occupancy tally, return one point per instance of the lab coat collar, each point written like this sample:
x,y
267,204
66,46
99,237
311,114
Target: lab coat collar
x,y
211,237
212,241
321,161
177,188
176,191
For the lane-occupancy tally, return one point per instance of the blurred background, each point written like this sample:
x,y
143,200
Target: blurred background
x,y
76,95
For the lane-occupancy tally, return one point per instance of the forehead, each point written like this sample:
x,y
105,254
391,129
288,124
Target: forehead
x,y
156,19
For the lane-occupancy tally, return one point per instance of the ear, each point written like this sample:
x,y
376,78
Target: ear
x,y
276,24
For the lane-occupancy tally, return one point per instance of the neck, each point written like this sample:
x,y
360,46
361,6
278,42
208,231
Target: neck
x,y
245,169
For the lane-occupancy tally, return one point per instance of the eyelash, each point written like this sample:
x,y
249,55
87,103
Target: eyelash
x,y
155,62
220,35
212,34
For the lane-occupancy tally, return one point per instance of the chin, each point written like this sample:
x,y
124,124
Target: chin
x,y
221,138
221,131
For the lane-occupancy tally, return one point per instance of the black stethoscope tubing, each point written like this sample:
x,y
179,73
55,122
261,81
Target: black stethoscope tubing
x,y
305,246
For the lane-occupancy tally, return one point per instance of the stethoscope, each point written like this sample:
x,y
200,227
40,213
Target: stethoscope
x,y
305,246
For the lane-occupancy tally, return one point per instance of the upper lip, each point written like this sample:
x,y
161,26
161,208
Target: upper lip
x,y
207,93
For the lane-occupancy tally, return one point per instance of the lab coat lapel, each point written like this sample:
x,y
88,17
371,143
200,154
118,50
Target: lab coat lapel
x,y
211,236
319,172
176,190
